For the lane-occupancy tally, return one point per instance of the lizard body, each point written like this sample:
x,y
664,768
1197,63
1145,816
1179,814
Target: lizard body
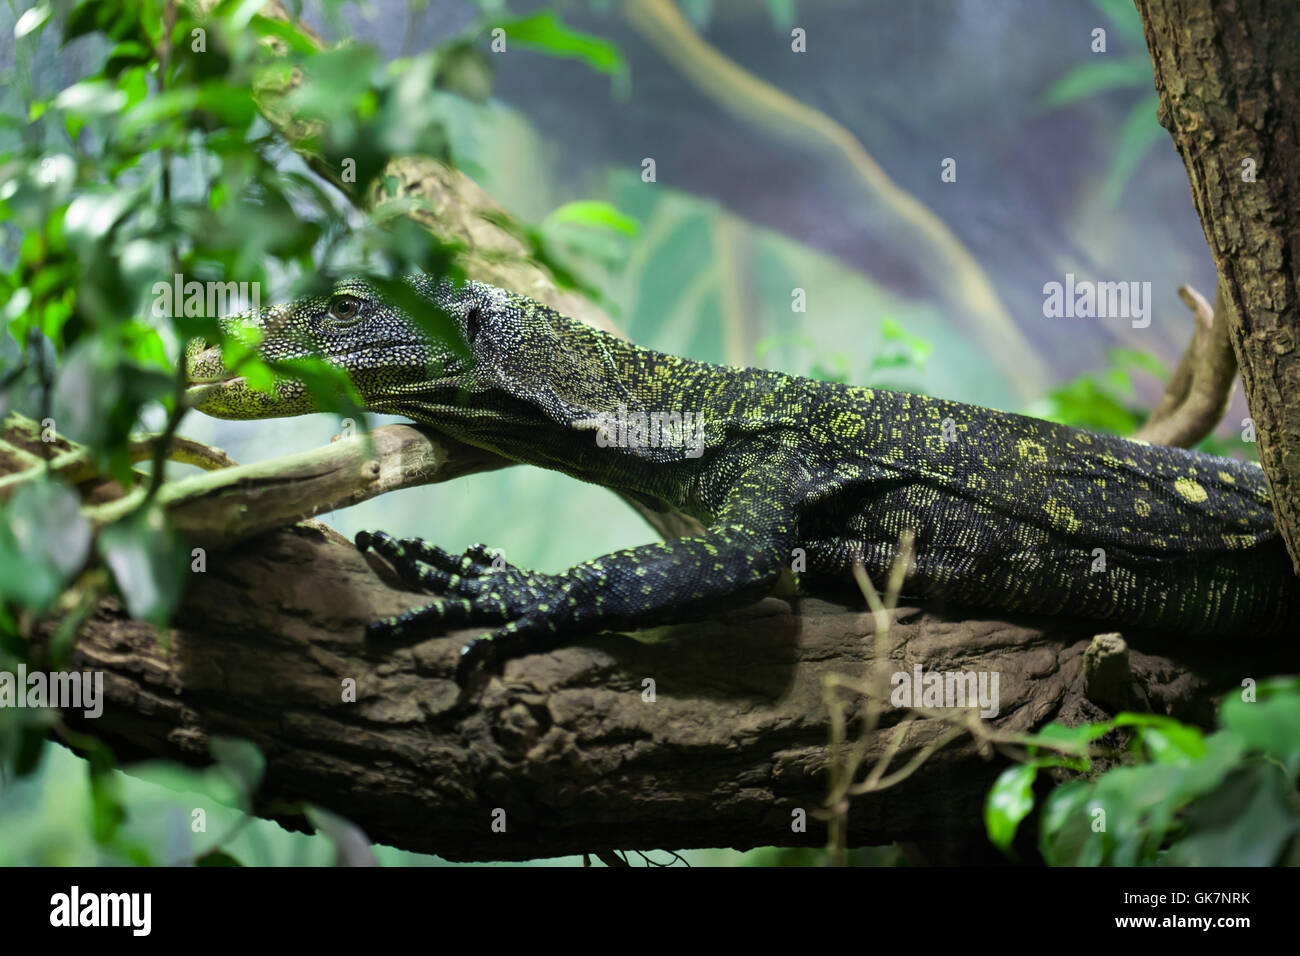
x,y
1008,512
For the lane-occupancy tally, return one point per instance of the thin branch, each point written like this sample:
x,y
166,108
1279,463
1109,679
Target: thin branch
x,y
223,507
1198,392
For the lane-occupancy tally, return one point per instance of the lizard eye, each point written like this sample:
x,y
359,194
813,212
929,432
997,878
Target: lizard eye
x,y
344,308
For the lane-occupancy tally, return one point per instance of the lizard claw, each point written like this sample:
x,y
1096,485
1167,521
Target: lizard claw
x,y
475,588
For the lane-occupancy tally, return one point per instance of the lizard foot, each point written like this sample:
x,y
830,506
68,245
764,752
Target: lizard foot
x,y
476,587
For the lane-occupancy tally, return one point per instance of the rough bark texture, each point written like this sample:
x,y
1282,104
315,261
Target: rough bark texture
x,y
1228,72
565,742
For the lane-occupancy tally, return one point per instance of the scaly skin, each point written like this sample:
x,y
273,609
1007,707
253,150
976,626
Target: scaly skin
x,y
1008,512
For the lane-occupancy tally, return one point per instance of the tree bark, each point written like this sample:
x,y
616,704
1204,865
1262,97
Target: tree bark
x,y
1228,72
567,744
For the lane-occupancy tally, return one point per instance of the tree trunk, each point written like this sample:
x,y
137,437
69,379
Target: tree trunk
x,y
1228,72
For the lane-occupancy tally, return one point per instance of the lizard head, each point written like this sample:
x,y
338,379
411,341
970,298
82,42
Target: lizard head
x,y
504,365
501,353
387,356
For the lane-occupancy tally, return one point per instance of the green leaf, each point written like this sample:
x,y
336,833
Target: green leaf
x,y
1123,16
149,563
1009,802
46,520
98,394
108,810
1077,739
31,584
143,343
232,105
1099,77
91,98
1137,134
1136,358
1140,806
1065,834
770,342
209,783
1269,725
591,212
91,216
891,330
85,17
1170,741
239,13
240,761
176,106
32,20
331,387
1086,403
296,40
124,55
1247,821
44,541
545,32
781,12
334,82
31,742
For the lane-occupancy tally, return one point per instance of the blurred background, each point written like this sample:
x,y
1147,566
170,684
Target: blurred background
x,y
774,171
1060,169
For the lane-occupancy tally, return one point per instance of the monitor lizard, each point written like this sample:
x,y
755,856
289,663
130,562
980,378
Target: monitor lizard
x,y
1007,512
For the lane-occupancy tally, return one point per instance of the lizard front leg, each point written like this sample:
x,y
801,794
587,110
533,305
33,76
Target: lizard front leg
x,y
738,560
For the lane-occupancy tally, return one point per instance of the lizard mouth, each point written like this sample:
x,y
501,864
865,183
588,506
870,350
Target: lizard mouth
x,y
205,374
199,389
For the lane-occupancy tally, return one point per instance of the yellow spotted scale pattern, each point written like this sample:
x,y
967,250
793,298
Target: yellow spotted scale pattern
x,y
1008,512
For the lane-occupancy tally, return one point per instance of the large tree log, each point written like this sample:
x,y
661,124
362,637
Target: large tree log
x,y
566,743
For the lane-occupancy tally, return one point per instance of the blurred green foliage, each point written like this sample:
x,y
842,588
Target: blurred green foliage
x,y
1107,401
1179,798
780,12
543,31
896,361
1115,72
156,161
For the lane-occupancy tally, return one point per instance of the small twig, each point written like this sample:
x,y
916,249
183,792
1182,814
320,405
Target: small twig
x,y
843,768
1197,394
845,759
76,464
